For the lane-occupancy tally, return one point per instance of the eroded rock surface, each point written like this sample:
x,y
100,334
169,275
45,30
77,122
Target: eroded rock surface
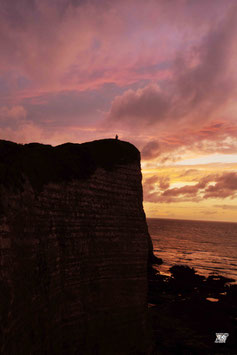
x,y
74,249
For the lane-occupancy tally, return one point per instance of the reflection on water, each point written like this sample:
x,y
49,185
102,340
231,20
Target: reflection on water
x,y
212,299
209,247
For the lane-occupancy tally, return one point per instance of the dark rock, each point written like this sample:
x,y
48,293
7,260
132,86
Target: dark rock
x,y
154,260
183,321
74,249
184,279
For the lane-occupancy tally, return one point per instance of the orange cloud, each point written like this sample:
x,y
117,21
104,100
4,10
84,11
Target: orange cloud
x,y
211,186
225,186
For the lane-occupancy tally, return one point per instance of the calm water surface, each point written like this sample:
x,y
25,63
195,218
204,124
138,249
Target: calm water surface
x,y
207,246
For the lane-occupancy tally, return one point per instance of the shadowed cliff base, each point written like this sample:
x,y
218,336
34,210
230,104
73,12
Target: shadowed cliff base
x,y
74,247
187,310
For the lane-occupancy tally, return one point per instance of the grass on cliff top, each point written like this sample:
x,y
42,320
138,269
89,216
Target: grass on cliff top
x,y
42,164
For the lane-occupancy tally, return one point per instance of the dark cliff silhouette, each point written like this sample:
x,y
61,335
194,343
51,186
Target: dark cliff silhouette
x,y
74,249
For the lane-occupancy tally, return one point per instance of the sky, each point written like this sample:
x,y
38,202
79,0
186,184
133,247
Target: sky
x,y
161,74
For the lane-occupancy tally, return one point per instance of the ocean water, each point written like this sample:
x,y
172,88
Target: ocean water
x,y
208,247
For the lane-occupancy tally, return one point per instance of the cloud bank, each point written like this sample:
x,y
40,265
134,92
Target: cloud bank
x,y
211,186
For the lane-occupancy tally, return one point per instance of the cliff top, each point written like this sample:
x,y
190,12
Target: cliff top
x,y
44,163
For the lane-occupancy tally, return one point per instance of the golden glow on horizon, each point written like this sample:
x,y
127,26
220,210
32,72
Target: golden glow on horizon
x,y
213,209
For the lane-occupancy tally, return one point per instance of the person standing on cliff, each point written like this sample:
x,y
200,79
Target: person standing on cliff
x,y
116,137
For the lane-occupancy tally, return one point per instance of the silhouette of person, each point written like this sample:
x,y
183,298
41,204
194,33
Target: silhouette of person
x,y
116,137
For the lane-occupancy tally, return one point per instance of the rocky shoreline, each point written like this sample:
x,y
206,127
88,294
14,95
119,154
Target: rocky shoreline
x,y
187,310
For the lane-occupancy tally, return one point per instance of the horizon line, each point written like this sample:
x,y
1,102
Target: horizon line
x,y
193,220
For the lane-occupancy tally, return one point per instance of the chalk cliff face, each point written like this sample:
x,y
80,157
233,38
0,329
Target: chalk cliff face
x,y
74,249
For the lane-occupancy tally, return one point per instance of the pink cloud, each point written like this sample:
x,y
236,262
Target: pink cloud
x,y
146,106
225,186
14,113
170,62
184,113
195,92
150,150
209,139
164,182
211,186
71,44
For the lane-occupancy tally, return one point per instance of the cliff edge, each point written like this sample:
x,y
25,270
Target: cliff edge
x,y
74,249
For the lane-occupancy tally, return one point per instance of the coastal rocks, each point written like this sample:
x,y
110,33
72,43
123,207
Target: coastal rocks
x,y
74,250
185,317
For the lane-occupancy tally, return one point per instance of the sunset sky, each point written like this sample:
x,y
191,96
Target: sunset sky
x,y
161,74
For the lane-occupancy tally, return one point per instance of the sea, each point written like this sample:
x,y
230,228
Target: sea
x,y
208,247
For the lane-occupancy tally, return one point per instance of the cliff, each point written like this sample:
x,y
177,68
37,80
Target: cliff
x,y
74,249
